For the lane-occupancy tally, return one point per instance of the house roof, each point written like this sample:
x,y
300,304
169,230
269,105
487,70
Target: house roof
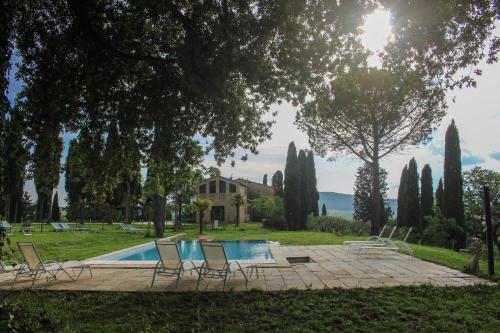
x,y
222,178
246,181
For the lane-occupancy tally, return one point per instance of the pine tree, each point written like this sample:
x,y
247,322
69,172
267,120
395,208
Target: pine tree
x,y
323,210
313,183
264,180
413,196
453,181
277,183
304,189
291,192
56,212
440,195
426,194
402,198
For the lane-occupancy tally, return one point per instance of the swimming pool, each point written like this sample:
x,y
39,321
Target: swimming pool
x,y
235,250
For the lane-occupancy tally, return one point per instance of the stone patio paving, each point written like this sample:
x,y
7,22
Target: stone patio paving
x,y
332,266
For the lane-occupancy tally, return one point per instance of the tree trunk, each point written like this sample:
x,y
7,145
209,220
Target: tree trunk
x,y
48,217
7,207
376,197
238,215
202,213
128,214
159,214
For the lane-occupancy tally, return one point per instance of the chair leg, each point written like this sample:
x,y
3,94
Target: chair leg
x,y
225,280
178,278
153,281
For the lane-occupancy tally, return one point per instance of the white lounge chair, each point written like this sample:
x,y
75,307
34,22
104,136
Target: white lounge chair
x,y
67,227
374,239
5,269
56,226
130,228
9,230
33,266
216,264
171,263
394,246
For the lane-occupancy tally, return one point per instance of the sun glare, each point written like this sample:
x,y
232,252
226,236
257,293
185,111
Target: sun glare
x,y
376,32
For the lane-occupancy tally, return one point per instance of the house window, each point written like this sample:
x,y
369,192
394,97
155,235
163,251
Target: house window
x,y
232,188
203,188
211,187
222,186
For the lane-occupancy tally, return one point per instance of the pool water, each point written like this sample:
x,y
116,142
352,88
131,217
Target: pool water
x,y
235,250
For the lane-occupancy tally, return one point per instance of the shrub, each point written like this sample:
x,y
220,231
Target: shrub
x,y
275,223
337,225
441,231
264,207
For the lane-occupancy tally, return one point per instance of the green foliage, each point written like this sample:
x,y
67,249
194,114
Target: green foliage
x,y
201,205
4,245
264,207
363,201
413,197
441,231
453,180
426,195
474,180
291,195
338,225
277,183
275,223
323,210
264,179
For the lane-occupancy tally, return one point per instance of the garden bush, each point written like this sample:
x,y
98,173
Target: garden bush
x,y
441,231
275,223
337,225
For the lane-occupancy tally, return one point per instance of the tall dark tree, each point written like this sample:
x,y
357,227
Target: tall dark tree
x,y
277,183
56,211
413,196
74,181
304,189
453,180
440,195
292,187
345,117
403,198
264,179
313,183
363,202
323,210
426,194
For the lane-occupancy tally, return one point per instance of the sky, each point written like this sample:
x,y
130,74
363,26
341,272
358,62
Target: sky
x,y
476,112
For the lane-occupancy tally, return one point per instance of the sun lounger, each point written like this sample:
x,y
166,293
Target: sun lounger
x,y
9,230
171,263
130,228
374,239
392,246
33,266
216,264
67,227
56,227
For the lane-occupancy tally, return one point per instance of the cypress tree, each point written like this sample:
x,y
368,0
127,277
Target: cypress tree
x,y
313,182
426,194
304,189
277,183
56,212
453,181
323,210
440,195
413,196
264,180
401,218
291,192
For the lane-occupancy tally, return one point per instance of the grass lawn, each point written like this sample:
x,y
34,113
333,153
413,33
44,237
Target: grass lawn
x,y
396,309
71,246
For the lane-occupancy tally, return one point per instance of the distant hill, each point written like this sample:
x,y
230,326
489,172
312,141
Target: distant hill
x,y
340,204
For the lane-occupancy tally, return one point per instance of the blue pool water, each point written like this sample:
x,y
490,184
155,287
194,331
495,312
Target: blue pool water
x,y
235,250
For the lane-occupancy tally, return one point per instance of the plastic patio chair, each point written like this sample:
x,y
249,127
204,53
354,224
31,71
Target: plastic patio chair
x,y
216,264
33,266
171,263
